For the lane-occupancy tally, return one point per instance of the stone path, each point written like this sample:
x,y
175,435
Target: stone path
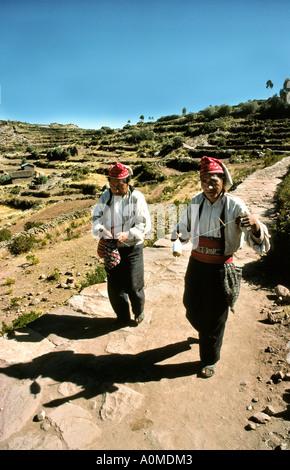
x,y
135,388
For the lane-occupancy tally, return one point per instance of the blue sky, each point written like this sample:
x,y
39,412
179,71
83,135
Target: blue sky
x,y
104,62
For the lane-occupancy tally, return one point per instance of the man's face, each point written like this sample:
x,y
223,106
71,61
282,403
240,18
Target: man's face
x,y
212,185
118,187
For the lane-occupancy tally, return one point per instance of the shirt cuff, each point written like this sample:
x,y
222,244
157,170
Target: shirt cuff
x,y
259,240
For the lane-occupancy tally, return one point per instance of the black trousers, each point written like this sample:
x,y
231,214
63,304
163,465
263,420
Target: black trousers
x,y
126,282
206,307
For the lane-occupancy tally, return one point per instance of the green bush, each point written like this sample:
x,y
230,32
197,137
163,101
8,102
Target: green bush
x,y
20,322
21,244
139,135
96,277
23,204
5,234
28,225
5,179
58,154
279,256
85,188
171,117
55,276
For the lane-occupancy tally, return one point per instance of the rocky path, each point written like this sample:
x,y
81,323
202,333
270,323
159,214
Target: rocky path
x,y
72,381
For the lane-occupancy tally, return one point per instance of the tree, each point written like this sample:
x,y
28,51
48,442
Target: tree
x,y
184,111
285,91
269,84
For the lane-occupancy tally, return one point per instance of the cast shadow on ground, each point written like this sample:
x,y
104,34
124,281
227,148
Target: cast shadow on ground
x,y
71,327
286,413
97,375
261,273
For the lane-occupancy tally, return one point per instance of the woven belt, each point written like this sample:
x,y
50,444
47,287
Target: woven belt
x,y
215,259
209,250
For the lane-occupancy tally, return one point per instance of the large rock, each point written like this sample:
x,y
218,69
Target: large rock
x,y
76,426
18,405
120,403
282,293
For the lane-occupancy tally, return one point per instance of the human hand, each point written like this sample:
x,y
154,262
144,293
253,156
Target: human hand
x,y
106,234
122,236
249,222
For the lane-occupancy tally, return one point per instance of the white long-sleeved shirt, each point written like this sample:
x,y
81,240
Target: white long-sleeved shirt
x,y
209,223
123,213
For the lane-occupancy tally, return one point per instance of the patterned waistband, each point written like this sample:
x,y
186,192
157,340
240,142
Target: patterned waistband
x,y
209,251
211,258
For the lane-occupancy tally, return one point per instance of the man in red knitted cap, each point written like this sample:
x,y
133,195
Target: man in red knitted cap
x,y
120,220
212,281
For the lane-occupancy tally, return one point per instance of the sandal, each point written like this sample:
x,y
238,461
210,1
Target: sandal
x,y
139,318
208,371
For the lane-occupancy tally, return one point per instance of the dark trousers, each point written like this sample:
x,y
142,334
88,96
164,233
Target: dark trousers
x,y
126,282
206,307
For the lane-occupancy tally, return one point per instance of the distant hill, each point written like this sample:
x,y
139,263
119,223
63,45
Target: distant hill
x,y
221,130
248,135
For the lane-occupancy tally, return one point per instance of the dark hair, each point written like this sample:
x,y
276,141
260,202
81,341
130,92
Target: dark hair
x,y
125,180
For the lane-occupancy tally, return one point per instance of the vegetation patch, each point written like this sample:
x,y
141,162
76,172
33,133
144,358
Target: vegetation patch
x,y
98,276
21,244
279,257
5,234
20,322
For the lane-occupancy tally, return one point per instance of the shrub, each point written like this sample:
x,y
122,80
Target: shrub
x,y
32,258
5,234
58,154
5,179
9,281
23,204
96,277
279,257
145,172
171,117
20,322
55,276
28,225
21,244
40,179
85,188
139,135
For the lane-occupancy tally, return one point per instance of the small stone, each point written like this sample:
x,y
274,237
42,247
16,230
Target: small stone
x,y
271,318
281,291
41,415
278,376
250,427
249,407
282,446
255,399
269,410
261,417
45,426
63,285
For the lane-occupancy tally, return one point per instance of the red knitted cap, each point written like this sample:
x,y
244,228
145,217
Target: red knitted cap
x,y
118,171
210,165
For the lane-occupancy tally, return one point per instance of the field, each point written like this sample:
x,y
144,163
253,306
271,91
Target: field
x,y
53,207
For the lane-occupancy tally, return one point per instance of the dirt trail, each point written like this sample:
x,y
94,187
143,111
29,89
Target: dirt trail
x,y
138,388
